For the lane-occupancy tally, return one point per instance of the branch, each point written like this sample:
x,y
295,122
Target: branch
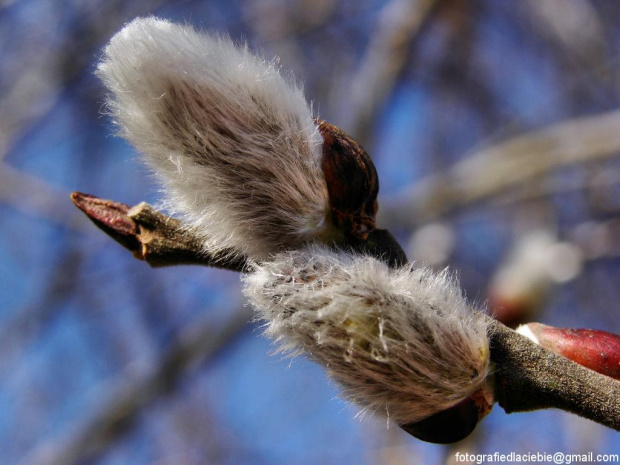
x,y
527,377
150,235
500,167
127,397
530,377
161,240
400,23
34,196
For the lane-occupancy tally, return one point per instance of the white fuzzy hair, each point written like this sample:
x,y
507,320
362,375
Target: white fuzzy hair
x,y
398,341
233,141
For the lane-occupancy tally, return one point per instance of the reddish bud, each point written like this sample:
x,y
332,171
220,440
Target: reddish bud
x,y
522,285
513,312
594,349
352,181
112,217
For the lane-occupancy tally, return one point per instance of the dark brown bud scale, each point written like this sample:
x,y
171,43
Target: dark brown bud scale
x,y
352,181
453,424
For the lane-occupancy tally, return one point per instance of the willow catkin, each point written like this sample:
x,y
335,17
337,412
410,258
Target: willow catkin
x,y
232,141
400,342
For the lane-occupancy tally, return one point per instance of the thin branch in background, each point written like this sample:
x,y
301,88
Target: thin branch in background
x,y
592,185
34,196
45,67
281,26
277,23
32,93
19,331
574,25
496,169
130,396
398,26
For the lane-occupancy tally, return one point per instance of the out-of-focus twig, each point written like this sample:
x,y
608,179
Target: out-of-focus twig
x,y
575,25
35,196
609,180
498,168
281,22
386,57
127,398
47,66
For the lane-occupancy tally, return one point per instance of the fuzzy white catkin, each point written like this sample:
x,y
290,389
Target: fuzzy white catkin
x,y
233,142
402,342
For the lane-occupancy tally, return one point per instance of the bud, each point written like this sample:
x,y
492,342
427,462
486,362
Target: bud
x,y
400,342
521,287
593,349
352,182
233,142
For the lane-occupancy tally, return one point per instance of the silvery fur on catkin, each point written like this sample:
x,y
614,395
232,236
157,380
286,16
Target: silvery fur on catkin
x,y
400,342
232,141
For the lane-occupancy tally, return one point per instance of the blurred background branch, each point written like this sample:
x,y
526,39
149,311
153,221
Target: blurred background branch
x,y
488,173
384,60
124,399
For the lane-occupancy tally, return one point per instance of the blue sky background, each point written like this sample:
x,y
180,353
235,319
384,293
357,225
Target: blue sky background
x,y
82,322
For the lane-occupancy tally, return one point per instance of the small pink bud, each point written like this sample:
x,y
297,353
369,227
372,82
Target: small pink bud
x,y
111,217
522,285
594,349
